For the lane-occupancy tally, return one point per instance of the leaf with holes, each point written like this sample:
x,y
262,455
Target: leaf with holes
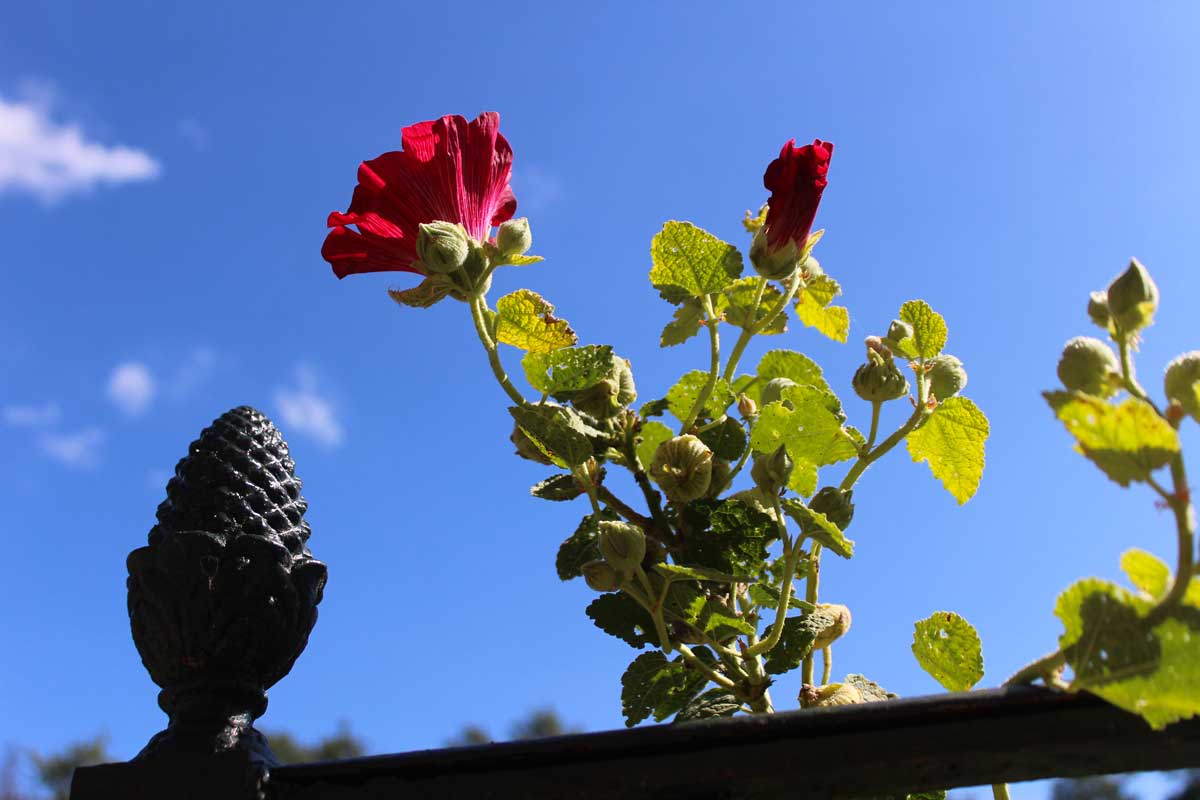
x,y
691,262
524,319
948,648
952,442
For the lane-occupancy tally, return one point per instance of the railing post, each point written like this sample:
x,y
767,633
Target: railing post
x,y
221,603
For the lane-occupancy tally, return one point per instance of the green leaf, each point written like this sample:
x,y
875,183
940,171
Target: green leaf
x,y
727,440
423,295
952,442
817,527
1146,572
678,571
684,325
619,615
727,535
948,648
871,691
792,365
580,547
1169,693
929,329
1128,441
796,643
690,262
742,312
653,685
557,488
767,596
652,434
812,433
813,309
556,431
523,261
569,369
525,320
683,395
715,702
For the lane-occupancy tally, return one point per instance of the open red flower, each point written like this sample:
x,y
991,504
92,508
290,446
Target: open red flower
x,y
450,170
796,180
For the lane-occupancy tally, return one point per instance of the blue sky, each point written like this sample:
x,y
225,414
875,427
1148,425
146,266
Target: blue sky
x,y
165,175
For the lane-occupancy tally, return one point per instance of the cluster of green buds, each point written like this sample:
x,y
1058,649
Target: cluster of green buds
x,y
1090,366
1129,303
445,249
622,547
879,379
611,395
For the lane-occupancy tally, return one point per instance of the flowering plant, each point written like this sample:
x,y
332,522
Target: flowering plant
x,y
731,465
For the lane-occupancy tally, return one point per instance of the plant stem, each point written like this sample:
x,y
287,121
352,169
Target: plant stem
x,y
747,332
624,510
1038,669
478,305
715,677
811,588
714,369
785,591
1000,791
826,664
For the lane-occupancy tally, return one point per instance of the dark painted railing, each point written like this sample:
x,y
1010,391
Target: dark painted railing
x,y
223,597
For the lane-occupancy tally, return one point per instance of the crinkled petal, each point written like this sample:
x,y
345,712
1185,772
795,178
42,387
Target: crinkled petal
x,y
350,253
796,180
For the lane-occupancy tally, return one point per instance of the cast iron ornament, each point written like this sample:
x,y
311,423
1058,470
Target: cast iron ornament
x,y
222,600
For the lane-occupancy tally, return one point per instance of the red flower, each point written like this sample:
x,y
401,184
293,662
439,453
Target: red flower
x,y
450,170
796,180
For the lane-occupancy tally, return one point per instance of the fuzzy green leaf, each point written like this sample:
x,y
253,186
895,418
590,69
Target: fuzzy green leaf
x,y
952,442
741,311
1146,572
812,433
715,702
929,328
619,615
684,325
817,527
796,643
526,320
767,596
570,369
728,536
690,262
429,291
557,488
792,365
727,440
814,309
678,572
652,434
580,547
523,260
1128,441
683,395
653,685
1169,693
556,431
948,648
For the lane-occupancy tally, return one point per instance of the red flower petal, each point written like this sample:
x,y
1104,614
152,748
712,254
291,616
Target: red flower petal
x,y
796,180
450,170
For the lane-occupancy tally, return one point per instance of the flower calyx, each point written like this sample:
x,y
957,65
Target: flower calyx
x,y
771,472
622,545
831,694
600,575
775,264
836,504
611,395
1088,365
683,468
946,376
879,379
513,238
840,616
1182,383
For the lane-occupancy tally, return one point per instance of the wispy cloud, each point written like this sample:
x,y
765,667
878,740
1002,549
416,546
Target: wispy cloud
x,y
51,159
303,408
193,372
79,449
35,416
131,387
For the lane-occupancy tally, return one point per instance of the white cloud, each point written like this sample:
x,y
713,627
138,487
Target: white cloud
x,y
305,409
42,416
80,449
51,160
193,371
131,387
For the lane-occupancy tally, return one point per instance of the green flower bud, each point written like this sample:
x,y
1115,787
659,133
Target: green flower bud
x,y
683,468
879,380
835,504
771,472
526,448
832,694
1182,382
1097,309
773,391
622,545
608,397
899,330
1133,298
946,376
513,238
841,623
443,246
600,575
1085,366
775,265
746,406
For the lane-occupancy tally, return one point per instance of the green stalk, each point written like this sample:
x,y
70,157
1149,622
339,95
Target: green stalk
x,y
714,367
785,591
478,304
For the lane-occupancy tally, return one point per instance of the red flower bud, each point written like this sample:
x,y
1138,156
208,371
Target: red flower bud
x,y
796,180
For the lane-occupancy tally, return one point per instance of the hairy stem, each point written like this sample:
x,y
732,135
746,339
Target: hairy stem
x,y
747,334
714,370
811,590
478,306
785,591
